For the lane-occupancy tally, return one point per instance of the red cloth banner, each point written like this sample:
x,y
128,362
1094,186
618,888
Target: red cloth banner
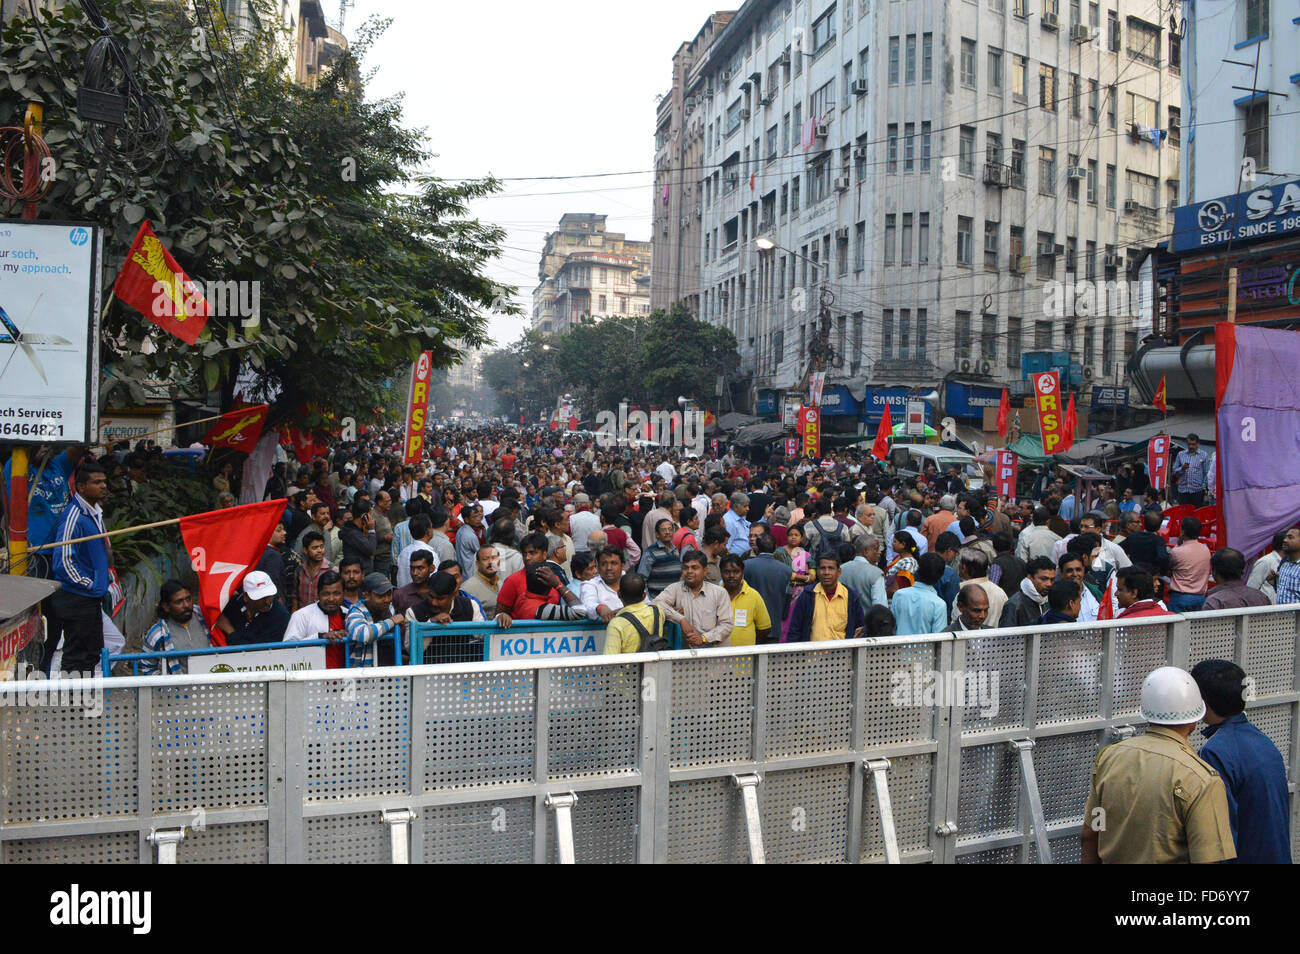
x,y
1159,460
880,449
1051,419
1161,398
1006,468
223,546
154,284
417,408
238,429
791,446
1004,408
812,432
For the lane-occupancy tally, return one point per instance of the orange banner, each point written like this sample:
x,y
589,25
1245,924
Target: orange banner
x,y
1051,413
812,432
417,408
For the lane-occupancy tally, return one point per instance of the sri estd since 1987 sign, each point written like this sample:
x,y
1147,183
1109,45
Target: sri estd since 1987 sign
x,y
49,331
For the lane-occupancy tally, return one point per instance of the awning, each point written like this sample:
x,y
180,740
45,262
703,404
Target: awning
x,y
1083,473
732,420
1178,425
18,594
1029,449
759,433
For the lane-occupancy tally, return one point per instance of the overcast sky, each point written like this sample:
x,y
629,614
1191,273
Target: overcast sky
x,y
518,89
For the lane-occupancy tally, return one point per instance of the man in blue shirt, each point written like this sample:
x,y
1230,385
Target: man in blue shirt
x,y
50,495
919,609
736,524
82,569
1251,766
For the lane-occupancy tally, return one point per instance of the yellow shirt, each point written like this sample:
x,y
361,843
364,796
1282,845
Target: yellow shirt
x,y
622,637
748,616
830,615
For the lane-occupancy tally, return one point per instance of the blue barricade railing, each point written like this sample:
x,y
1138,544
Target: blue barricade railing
x,y
433,643
371,657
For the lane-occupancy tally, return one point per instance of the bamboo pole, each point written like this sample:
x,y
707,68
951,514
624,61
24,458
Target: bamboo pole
x,y
101,536
176,427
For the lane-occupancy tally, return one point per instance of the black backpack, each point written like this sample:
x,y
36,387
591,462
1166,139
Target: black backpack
x,y
656,643
828,544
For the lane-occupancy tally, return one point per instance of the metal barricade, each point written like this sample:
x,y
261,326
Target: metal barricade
x,y
107,660
863,751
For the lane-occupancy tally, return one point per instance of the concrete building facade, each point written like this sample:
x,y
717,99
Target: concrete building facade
x,y
933,183
586,272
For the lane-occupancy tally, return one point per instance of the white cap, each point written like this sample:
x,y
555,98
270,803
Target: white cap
x,y
258,586
1170,696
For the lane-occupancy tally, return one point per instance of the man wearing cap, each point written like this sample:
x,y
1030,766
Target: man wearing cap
x,y
254,615
371,620
1153,799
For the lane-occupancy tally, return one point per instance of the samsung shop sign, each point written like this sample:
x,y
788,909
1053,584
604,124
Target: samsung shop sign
x,y
838,400
1263,213
875,399
970,400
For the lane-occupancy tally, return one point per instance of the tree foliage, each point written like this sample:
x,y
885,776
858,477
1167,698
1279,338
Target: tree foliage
x,y
363,261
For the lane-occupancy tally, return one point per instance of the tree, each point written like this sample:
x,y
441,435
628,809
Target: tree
x,y
312,193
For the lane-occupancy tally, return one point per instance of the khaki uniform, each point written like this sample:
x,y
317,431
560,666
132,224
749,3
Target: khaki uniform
x,y
1162,803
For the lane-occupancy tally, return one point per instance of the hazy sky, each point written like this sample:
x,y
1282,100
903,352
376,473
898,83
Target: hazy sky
x,y
521,89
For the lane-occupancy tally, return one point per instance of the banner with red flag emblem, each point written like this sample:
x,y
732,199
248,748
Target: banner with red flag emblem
x,y
238,429
223,546
154,284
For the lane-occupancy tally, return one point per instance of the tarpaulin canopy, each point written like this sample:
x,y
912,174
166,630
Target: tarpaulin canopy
x,y
759,433
1029,449
1177,425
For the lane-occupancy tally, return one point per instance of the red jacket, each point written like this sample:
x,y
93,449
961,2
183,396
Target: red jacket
x,y
1144,608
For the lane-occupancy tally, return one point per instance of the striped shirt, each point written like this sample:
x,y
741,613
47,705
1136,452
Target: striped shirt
x,y
363,630
1288,582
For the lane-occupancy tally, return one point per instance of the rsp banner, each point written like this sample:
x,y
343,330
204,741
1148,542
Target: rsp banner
x,y
49,331
1159,451
1006,468
812,432
417,409
1051,416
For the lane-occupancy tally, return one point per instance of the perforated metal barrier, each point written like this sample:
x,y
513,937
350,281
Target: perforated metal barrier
x,y
863,751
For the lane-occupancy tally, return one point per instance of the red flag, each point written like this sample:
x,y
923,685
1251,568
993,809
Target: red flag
x,y
1106,609
1071,424
752,177
1004,408
880,449
153,284
238,429
223,546
304,444
1161,397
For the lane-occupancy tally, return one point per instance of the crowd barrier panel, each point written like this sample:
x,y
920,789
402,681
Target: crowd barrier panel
x,y
107,660
524,640
797,752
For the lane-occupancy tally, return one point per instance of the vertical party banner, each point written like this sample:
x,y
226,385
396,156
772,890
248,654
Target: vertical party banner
x,y
1051,420
812,432
1006,468
791,446
816,385
1159,451
417,408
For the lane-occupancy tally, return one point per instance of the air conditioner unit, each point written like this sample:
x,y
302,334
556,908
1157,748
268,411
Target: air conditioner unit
x,y
1089,372
842,233
995,173
1132,205
725,76
1058,249
965,365
785,58
859,152
1050,21
1076,172
1080,33
766,100
744,114
699,211
859,87
986,366
842,184
821,131
733,181
1110,261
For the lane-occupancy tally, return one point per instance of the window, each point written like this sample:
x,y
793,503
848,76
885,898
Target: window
x,y
1020,8
622,305
921,315
1047,87
905,333
1076,12
820,173
993,149
1143,189
1046,255
1172,190
1046,171
891,148
989,337
991,246
1092,181
1256,18
1090,269
968,62
1042,335
860,159
1111,265
905,254
995,70
887,333
842,253
771,143
1107,346
860,246
965,226
1094,17
1175,126
925,147
733,116
1175,53
893,61
1089,343
1016,246
1110,187
890,228
1071,253
1142,110
785,199
1094,101
1051,6
1013,343
966,151
846,86
863,64
1143,41
927,56
1112,24
1071,183
1019,76
1257,133
963,334
856,353
1076,95
909,59
604,276
923,238
823,31
822,101
602,303
909,146
1017,163
794,195
1110,106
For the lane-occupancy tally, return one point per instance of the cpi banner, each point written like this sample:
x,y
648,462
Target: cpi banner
x,y
791,446
417,408
1051,418
1006,468
812,432
1159,451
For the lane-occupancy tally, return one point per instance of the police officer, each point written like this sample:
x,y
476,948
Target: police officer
x,y
1153,800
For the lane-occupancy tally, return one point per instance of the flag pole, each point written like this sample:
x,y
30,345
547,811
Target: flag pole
x,y
108,533
176,427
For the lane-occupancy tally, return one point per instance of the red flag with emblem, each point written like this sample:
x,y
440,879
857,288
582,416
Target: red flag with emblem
x,y
880,449
1161,397
238,429
154,284
223,545
1004,408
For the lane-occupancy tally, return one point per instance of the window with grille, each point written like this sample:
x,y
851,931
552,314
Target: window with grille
x,y
963,334
968,62
1143,41
1013,342
991,245
1257,133
965,226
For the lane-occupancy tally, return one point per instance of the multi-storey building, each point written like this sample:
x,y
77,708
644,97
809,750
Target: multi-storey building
x,y
586,272
909,194
679,152
317,43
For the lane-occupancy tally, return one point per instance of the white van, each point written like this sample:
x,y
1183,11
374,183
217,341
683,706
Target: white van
x,y
918,455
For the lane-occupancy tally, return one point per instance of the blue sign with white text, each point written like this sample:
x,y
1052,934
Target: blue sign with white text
x,y
1263,213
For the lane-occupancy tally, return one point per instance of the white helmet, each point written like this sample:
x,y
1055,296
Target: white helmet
x,y
1170,696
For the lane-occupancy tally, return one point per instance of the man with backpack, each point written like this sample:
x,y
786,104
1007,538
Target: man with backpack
x,y
639,626
824,535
